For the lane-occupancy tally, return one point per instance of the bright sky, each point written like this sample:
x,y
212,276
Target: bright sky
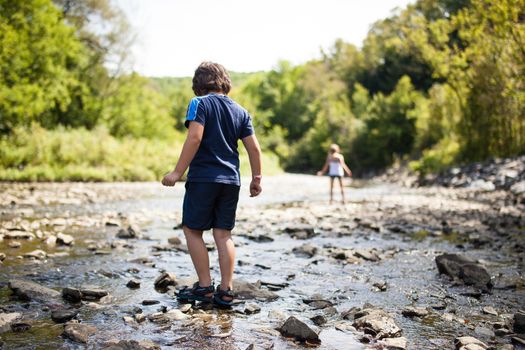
x,y
174,36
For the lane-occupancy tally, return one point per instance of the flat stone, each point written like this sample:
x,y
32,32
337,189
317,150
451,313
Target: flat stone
x,y
2,256
297,329
20,326
251,308
460,342
395,343
92,293
37,254
165,280
245,290
518,341
133,284
150,302
305,250
130,345
174,240
318,320
63,315
367,254
176,315
300,231
18,235
27,290
489,310
377,323
461,268
65,239
14,245
78,332
7,319
411,311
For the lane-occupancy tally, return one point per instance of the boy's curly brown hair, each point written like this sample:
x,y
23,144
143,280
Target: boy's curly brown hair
x,y
211,77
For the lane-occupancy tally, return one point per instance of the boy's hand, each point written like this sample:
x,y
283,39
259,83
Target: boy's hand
x,y
170,179
255,186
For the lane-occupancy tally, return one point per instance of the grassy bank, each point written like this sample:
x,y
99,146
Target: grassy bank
x,y
37,154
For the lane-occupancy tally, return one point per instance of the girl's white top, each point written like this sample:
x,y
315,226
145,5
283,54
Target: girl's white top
x,y
335,168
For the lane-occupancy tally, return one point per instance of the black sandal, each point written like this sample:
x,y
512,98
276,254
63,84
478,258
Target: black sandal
x,y
196,293
220,294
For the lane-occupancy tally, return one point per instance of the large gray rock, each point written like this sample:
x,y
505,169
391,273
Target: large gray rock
x,y
377,323
27,290
297,329
79,332
245,290
461,268
130,345
7,319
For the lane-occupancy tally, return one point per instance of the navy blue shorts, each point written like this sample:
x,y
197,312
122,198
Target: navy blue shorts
x,y
210,205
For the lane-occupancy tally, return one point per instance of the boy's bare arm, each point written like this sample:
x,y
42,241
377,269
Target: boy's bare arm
x,y
254,154
189,149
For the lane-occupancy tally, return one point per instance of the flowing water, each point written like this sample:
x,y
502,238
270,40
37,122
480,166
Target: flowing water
x,y
402,225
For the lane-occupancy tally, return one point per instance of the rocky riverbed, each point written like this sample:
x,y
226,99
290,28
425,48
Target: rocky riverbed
x,y
97,265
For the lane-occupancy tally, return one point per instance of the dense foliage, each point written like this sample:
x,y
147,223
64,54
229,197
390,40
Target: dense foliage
x,y
438,83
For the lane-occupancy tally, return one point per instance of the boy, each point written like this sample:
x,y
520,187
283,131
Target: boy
x,y
215,123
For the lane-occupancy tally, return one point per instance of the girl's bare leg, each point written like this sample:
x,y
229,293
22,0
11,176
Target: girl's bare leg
x,y
199,255
226,250
342,190
331,189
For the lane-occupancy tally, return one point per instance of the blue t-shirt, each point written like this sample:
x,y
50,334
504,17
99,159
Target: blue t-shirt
x,y
225,122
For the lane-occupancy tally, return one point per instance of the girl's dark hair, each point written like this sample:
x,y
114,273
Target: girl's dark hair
x,y
210,77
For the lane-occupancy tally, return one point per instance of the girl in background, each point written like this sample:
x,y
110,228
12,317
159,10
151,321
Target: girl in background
x,y
336,167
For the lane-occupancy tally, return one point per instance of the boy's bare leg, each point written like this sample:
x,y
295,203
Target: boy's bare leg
x,y
342,190
226,250
331,189
199,255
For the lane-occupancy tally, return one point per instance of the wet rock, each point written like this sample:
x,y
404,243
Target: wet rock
x,y
20,327
297,329
411,311
461,268
318,320
176,315
395,343
36,254
482,185
72,294
27,290
92,293
150,302
484,332
251,308
64,239
317,302
133,231
300,232
518,188
367,254
133,284
165,280
518,341
469,343
380,285
51,240
489,310
63,315
519,322
377,323
130,345
78,332
305,250
19,235
2,256
7,319
174,240
14,245
245,290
